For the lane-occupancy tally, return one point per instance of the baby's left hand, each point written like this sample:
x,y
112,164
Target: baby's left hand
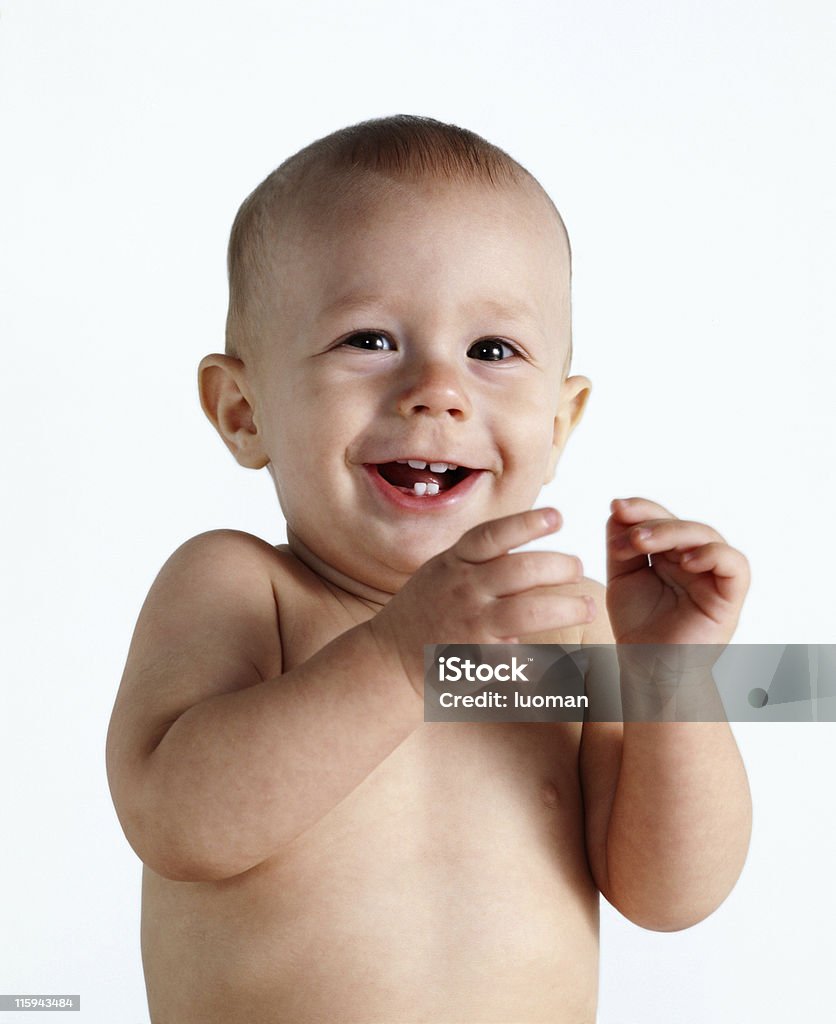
x,y
692,591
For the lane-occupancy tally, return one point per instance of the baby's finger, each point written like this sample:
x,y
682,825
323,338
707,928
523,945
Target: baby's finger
x,y
655,536
633,510
525,570
526,614
729,566
623,557
498,536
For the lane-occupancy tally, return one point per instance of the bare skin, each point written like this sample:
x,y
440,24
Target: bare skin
x,y
313,850
451,885
418,872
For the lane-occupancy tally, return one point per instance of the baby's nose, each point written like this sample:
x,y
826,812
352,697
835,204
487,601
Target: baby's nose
x,y
434,388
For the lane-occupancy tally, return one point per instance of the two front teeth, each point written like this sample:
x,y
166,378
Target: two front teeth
x,y
430,489
422,489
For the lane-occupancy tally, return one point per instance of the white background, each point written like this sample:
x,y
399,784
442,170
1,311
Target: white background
x,y
689,146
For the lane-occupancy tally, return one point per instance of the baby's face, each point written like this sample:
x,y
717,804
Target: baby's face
x,y
413,387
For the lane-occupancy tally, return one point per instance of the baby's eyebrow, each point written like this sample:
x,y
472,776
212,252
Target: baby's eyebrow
x,y
512,308
508,308
352,300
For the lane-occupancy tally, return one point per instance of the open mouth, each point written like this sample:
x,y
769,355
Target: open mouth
x,y
424,479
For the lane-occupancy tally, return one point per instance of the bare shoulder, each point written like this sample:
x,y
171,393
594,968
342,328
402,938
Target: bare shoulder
x,y
217,590
209,625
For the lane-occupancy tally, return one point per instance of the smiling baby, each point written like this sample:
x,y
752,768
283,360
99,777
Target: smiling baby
x,y
398,352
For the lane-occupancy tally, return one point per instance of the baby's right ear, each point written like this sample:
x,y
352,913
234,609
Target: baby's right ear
x,y
226,400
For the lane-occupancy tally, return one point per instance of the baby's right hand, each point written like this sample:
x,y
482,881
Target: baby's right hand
x,y
476,592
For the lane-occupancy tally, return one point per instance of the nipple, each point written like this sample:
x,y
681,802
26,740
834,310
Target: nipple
x,y
549,792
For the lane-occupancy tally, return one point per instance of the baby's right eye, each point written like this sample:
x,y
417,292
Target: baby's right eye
x,y
369,341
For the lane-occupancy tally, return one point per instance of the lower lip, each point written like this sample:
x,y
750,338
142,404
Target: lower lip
x,y
423,503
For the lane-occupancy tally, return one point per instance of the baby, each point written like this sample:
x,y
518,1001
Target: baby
x,y
398,349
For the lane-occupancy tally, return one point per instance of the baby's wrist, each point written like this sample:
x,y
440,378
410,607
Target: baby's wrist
x,y
669,682
396,663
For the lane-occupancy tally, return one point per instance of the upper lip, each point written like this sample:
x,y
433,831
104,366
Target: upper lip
x,y
450,460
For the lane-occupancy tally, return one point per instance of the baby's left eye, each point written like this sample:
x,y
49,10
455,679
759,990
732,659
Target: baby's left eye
x,y
492,349
369,341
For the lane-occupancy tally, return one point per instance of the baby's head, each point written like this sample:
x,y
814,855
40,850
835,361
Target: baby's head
x,y
399,293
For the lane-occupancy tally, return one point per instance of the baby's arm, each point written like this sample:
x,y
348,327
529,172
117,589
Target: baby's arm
x,y
668,811
214,767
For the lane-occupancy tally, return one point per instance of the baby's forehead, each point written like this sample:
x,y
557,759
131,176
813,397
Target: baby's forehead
x,y
325,207
510,227
414,242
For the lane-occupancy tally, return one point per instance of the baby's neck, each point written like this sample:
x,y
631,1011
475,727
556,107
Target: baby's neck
x,y
372,598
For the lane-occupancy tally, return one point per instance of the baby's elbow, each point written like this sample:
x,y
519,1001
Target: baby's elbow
x,y
178,868
672,923
675,916
171,846
190,850
177,858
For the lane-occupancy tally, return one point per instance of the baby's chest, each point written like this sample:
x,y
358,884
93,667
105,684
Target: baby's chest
x,y
454,805
451,794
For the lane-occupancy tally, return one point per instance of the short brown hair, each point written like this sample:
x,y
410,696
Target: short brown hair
x,y
403,146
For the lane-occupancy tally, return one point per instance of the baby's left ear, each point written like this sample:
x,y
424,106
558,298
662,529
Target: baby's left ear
x,y
574,393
